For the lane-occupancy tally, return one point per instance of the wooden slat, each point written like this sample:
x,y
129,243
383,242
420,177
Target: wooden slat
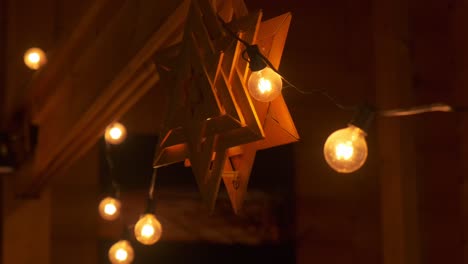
x,y
3,75
211,111
276,121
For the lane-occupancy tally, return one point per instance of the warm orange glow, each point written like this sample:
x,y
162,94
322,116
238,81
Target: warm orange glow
x,y
148,229
109,208
121,253
34,58
265,85
115,133
346,149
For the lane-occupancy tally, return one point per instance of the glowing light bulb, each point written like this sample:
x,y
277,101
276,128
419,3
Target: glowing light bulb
x,y
148,229
265,85
346,149
34,58
121,253
109,208
115,133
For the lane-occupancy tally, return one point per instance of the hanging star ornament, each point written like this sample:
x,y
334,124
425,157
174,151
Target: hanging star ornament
x,y
212,122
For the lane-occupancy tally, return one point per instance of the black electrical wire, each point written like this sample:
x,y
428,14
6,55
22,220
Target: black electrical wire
x,y
415,110
151,201
322,92
110,166
152,185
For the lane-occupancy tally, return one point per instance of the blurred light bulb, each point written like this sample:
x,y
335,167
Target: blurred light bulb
x,y
34,58
148,229
109,208
115,133
265,85
346,149
121,253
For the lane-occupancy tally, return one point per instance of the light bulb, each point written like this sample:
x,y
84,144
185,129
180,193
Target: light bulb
x,y
115,133
121,253
346,149
148,229
109,208
34,58
265,85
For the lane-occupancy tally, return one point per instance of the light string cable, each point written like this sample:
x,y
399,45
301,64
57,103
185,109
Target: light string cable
x,y
416,110
152,184
250,47
110,166
398,112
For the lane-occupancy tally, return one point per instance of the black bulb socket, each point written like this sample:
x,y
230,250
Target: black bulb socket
x,y
256,62
150,206
363,117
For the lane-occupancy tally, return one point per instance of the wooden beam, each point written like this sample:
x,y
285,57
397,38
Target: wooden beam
x,y
399,186
3,35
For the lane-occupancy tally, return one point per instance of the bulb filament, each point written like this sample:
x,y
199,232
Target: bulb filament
x,y
264,85
110,209
344,151
115,133
121,255
147,231
34,57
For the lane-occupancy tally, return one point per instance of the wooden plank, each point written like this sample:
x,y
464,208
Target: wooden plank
x,y
3,75
236,176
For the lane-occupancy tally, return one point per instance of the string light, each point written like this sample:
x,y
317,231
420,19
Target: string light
x,y
265,85
346,149
121,253
109,208
115,133
35,58
148,229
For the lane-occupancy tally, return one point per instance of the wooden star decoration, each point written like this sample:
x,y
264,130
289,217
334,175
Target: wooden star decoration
x,y
212,122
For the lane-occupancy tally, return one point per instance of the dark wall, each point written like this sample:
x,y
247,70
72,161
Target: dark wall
x,y
330,46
